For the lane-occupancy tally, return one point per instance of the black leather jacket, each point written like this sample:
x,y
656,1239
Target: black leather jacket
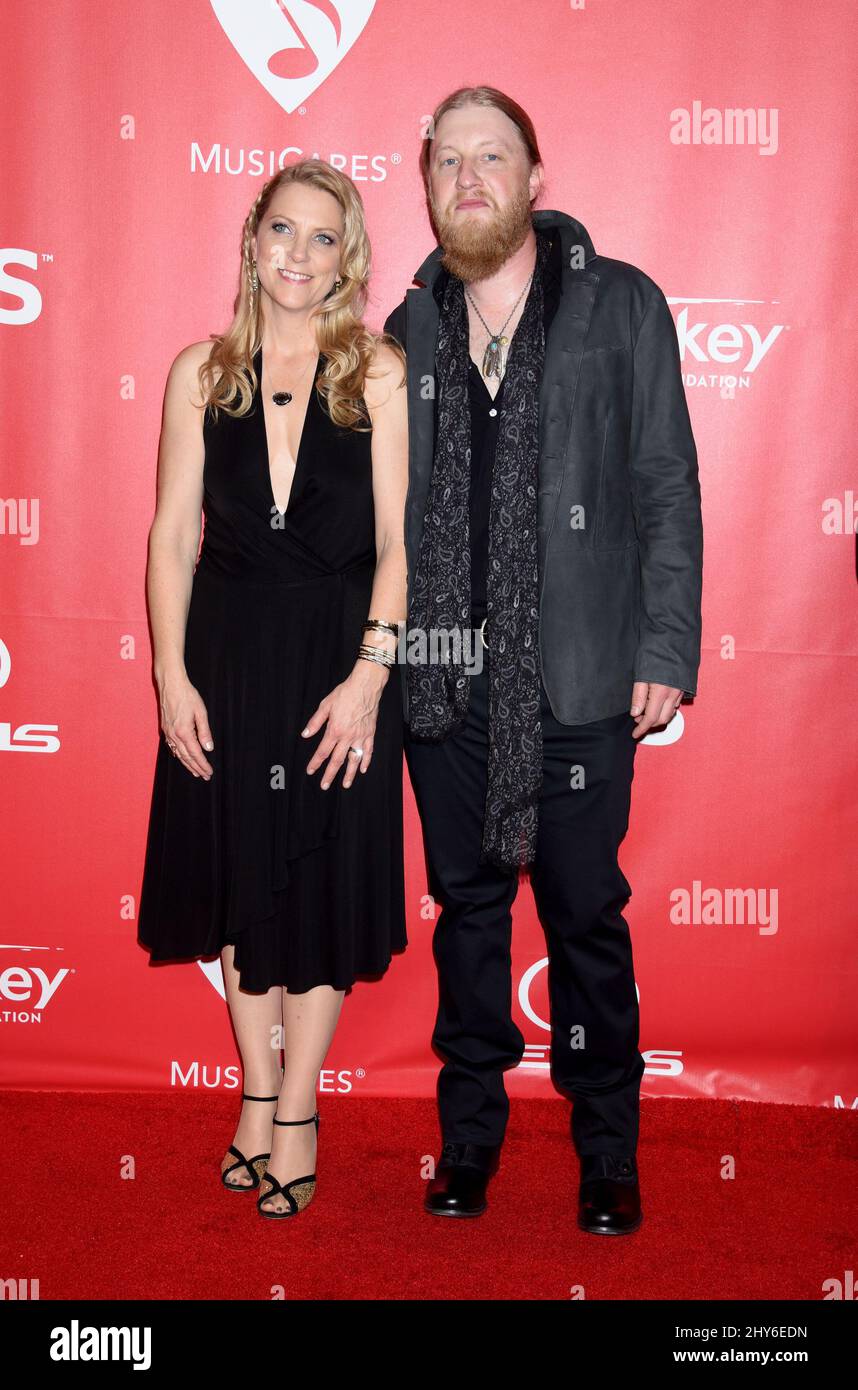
x,y
620,530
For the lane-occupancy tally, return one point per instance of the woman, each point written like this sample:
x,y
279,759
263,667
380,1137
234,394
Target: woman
x,y
274,661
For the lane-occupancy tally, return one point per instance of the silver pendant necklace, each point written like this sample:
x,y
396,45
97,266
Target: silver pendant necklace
x,y
494,357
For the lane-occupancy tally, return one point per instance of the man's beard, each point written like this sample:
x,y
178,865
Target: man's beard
x,y
475,249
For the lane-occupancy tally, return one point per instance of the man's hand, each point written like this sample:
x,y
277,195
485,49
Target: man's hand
x,y
653,705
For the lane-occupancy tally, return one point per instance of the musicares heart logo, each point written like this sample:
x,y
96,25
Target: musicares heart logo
x,y
213,971
291,46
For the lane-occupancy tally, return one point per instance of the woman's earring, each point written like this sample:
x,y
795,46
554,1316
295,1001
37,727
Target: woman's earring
x,y
338,282
254,279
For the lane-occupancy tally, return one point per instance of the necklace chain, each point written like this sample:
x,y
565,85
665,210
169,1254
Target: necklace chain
x,y
284,397
494,357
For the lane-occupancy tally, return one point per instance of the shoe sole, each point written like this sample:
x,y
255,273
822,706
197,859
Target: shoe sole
x,y
433,1211
608,1231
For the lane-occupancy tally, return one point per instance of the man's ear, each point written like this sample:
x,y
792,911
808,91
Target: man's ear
x,y
537,179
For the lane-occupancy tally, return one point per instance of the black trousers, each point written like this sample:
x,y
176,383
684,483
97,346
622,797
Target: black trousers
x,y
580,892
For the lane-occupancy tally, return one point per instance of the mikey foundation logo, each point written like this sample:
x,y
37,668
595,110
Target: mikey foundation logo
x,y
26,990
291,46
720,347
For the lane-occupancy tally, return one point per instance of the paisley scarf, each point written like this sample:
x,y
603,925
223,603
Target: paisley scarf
x,y
441,592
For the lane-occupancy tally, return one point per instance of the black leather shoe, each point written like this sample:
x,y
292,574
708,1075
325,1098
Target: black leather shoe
x,y
609,1200
461,1179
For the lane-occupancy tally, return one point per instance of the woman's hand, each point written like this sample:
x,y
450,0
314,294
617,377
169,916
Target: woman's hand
x,y
351,711
185,725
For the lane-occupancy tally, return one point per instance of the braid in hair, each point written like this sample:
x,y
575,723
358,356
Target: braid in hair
x,y
250,227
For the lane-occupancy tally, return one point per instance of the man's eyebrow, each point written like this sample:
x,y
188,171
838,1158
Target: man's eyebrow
x,y
499,140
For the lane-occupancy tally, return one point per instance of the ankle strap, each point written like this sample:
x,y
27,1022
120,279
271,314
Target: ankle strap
x,y
313,1119
245,1096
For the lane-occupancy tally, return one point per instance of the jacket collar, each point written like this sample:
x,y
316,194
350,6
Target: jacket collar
x,y
571,234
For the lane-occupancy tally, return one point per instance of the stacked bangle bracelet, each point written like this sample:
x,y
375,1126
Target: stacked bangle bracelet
x,y
378,654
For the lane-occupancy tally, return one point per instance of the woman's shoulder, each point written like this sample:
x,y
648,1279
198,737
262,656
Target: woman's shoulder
x,y
184,371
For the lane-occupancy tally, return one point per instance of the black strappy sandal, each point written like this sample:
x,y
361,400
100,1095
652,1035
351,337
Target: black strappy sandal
x,y
305,1187
255,1166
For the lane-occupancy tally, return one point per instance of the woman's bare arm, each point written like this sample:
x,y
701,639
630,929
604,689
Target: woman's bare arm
x,y
174,539
386,401
352,710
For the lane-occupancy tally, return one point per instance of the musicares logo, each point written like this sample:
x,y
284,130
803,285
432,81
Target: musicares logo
x,y
214,974
291,46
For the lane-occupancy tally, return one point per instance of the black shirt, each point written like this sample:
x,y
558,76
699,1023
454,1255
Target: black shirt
x,y
485,417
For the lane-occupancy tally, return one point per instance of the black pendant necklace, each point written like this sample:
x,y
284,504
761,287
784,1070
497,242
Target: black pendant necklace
x,y
284,397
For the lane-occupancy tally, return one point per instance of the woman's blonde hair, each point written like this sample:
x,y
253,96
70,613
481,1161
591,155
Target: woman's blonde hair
x,y
348,345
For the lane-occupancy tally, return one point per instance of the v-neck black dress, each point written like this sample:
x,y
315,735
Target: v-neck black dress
x,y
307,884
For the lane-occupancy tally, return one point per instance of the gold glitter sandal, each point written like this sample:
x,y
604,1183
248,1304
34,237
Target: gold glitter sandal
x,y
305,1188
255,1166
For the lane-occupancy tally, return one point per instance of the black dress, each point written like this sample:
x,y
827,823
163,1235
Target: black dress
x,y
308,884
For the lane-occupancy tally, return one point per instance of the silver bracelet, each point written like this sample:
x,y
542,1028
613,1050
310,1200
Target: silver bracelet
x,y
367,653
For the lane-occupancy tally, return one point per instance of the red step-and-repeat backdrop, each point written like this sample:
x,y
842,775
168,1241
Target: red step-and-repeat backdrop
x,y
711,145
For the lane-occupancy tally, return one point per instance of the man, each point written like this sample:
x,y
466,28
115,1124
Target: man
x,y
554,505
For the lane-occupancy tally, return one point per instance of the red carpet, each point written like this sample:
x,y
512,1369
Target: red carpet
x,y
785,1224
